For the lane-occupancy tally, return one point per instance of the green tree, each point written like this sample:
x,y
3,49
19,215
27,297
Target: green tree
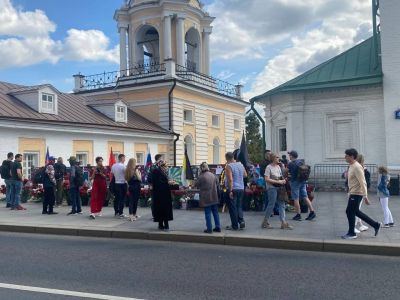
x,y
254,139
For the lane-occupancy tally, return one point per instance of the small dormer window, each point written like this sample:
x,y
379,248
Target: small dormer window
x,y
120,113
48,103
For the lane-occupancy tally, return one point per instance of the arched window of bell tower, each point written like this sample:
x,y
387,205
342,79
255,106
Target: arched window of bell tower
x,y
147,47
192,50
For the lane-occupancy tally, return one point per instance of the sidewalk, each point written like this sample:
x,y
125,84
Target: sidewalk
x,y
323,234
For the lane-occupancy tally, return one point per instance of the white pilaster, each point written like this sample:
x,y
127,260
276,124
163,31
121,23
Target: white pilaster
x,y
180,41
167,38
123,29
206,50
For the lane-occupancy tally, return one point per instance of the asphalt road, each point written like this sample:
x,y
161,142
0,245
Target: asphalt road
x,y
163,270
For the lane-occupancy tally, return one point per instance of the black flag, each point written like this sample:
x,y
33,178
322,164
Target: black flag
x,y
243,156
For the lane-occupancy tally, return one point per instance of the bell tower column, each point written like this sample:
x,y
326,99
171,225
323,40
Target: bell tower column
x,y
206,50
123,30
167,38
180,41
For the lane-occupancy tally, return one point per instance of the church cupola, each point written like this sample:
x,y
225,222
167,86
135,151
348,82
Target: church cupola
x,y
152,32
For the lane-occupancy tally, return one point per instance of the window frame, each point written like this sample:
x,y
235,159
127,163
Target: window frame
x,y
191,115
138,162
121,116
218,118
234,124
216,147
81,161
26,169
45,108
279,139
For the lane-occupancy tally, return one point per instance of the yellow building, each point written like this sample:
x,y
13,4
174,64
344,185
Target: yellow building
x,y
165,77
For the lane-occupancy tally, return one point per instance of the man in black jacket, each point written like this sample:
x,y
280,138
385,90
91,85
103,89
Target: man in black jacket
x,y
6,175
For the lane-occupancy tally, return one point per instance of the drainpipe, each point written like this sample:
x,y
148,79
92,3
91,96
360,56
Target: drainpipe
x,y
177,135
261,120
170,118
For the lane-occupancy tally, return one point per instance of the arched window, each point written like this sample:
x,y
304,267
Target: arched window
x,y
147,52
192,50
189,148
237,144
216,151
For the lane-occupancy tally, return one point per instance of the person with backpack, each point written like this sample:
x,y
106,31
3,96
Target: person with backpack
x,y
75,182
299,173
367,175
6,175
17,183
60,170
49,184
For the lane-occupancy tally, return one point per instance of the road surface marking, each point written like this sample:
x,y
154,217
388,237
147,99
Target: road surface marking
x,y
62,292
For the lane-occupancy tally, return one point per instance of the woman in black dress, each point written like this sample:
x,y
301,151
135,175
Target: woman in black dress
x,y
162,201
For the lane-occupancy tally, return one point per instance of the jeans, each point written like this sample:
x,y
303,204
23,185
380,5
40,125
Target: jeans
x,y
8,183
120,194
75,199
272,202
48,199
353,210
15,197
276,207
134,194
207,212
387,215
235,208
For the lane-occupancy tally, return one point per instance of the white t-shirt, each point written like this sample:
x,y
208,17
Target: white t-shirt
x,y
118,170
273,172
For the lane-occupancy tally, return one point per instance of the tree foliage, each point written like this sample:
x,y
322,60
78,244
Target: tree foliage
x,y
254,139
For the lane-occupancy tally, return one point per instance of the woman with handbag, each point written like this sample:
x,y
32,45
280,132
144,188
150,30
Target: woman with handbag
x,y
275,185
134,179
99,188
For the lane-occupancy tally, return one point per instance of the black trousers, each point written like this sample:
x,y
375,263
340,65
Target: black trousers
x,y
134,194
120,194
48,199
353,211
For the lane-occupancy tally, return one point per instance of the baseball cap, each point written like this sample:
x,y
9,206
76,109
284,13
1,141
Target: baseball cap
x,y
293,153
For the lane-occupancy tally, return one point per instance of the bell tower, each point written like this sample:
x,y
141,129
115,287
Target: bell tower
x,y
153,32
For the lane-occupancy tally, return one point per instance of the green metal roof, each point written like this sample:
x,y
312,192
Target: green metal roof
x,y
357,66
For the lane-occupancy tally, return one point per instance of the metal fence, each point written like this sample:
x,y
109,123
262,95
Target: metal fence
x,y
331,176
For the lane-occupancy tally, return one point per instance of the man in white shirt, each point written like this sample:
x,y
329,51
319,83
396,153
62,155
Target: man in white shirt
x,y
118,171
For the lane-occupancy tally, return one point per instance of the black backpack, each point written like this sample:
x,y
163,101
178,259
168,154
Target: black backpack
x,y
5,169
78,180
303,171
38,176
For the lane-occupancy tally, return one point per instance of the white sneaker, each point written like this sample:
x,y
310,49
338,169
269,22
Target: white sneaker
x,y
356,230
363,228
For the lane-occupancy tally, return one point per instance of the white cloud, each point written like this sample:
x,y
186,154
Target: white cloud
x,y
25,40
336,33
225,74
96,46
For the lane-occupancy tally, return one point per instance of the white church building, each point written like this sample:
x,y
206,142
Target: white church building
x,y
349,101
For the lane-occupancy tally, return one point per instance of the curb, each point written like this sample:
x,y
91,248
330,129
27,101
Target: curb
x,y
319,245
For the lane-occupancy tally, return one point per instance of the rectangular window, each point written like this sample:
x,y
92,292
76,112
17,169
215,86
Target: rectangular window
x,y
236,124
120,114
82,158
115,154
188,115
30,161
48,104
215,121
140,158
282,139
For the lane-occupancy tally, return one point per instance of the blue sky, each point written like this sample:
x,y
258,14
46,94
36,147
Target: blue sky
x,y
257,42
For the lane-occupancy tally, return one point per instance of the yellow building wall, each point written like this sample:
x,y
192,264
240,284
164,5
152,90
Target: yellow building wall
x,y
141,147
163,149
208,101
214,132
116,147
150,112
84,146
33,145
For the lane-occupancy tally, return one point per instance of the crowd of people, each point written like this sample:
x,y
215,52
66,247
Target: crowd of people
x,y
283,177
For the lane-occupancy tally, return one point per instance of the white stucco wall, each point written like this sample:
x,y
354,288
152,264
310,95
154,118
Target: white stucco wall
x,y
306,118
390,41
